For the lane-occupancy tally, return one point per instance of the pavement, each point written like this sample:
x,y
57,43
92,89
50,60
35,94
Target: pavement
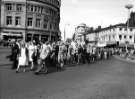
x,y
106,79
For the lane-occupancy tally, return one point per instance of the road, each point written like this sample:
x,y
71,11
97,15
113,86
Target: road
x,y
106,79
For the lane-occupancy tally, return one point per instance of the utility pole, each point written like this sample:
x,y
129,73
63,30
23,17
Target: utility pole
x,y
50,33
25,35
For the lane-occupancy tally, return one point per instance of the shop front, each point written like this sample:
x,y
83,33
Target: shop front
x,y
11,35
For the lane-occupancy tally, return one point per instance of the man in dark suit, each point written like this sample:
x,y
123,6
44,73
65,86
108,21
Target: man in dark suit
x,y
15,52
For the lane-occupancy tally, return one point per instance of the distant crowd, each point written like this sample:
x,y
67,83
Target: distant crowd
x,y
40,55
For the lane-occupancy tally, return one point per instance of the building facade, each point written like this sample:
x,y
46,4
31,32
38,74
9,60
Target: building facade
x,y
30,19
117,34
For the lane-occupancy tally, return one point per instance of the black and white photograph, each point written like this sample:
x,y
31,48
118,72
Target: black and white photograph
x,y
67,49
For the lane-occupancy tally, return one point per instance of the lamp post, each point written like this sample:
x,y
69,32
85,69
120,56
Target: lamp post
x,y
25,35
0,18
50,34
128,7
65,31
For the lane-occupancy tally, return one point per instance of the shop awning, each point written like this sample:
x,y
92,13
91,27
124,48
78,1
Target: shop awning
x,y
101,44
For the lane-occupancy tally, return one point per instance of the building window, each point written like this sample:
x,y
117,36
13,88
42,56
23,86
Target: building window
x,y
35,8
38,22
125,36
120,29
130,37
50,26
28,7
113,36
17,20
109,38
45,26
45,23
39,9
18,7
131,29
120,37
9,6
31,8
125,29
9,20
29,22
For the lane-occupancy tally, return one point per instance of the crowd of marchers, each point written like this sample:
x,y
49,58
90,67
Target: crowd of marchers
x,y
38,56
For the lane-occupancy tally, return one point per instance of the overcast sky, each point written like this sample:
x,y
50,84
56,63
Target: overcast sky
x,y
93,13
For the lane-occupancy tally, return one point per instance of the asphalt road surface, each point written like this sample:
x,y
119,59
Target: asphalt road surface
x,y
106,79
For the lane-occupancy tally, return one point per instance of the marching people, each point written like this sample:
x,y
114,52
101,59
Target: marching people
x,y
57,54
22,57
31,50
44,53
61,55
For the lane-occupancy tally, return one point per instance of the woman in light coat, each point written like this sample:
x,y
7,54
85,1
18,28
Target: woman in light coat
x,y
23,57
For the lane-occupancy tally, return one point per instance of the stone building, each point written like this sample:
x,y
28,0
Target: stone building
x,y
117,34
30,19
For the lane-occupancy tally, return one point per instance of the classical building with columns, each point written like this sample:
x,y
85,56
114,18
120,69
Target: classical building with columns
x,y
30,19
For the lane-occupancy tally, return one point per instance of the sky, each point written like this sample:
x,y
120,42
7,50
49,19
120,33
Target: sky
x,y
93,13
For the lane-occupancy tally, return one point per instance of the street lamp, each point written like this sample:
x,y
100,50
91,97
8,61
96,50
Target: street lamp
x,y
0,18
128,7
25,35
65,31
